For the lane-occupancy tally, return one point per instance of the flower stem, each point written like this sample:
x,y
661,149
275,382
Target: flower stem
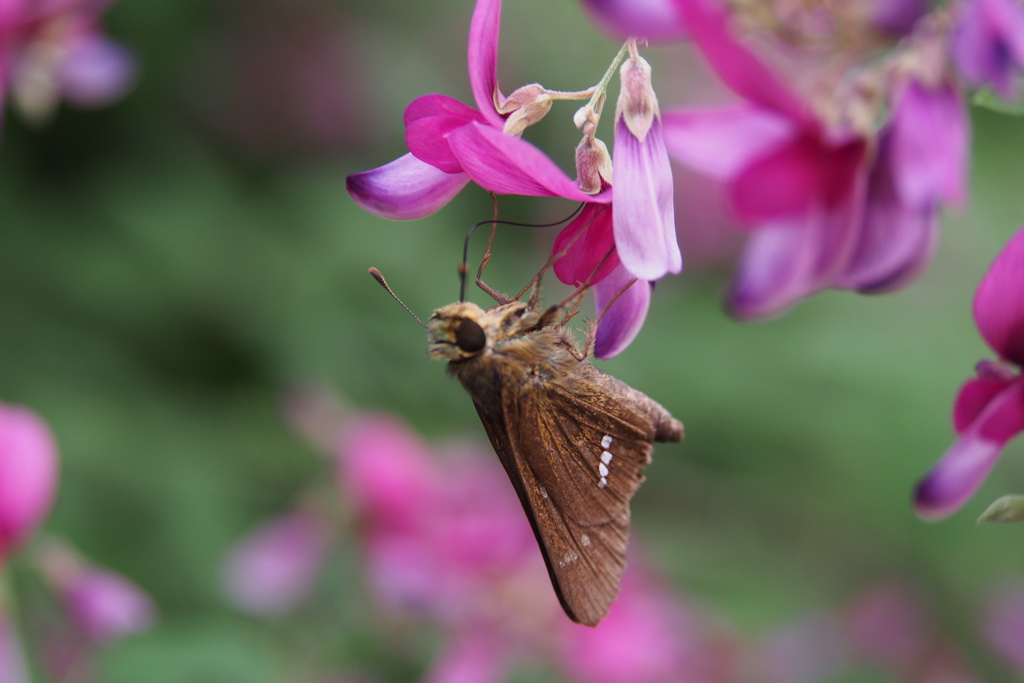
x,y
597,100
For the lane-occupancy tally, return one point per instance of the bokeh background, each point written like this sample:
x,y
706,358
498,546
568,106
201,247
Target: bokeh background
x,y
171,264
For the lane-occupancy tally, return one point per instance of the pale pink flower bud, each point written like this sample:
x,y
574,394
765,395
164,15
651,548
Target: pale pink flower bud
x,y
105,605
28,475
525,107
637,104
593,165
273,568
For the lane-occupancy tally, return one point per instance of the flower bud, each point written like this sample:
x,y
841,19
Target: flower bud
x,y
525,107
593,165
28,475
1006,509
637,105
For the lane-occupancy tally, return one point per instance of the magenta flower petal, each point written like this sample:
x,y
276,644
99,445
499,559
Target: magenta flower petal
x,y
483,58
720,141
505,164
96,71
739,68
930,145
988,43
28,475
1003,624
793,179
999,302
404,189
898,17
654,21
966,464
623,320
583,253
974,397
426,106
644,219
427,139
272,569
896,241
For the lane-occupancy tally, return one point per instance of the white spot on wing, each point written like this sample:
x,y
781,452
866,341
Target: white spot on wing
x,y
602,483
606,457
585,540
568,558
606,441
603,470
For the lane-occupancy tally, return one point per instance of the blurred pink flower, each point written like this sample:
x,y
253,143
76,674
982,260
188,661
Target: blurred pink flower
x,y
12,662
1003,624
54,49
809,650
988,44
28,475
649,636
888,626
273,568
989,410
796,181
104,605
651,20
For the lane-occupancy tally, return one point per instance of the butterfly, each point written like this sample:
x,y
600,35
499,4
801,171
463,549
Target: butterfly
x,y
573,440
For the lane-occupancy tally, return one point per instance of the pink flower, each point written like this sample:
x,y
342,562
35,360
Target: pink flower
x,y
989,410
651,20
28,475
272,569
988,44
649,636
104,605
1003,624
55,49
12,660
421,182
798,183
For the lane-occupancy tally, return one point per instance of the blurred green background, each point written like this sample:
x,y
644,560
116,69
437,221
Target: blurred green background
x,y
170,264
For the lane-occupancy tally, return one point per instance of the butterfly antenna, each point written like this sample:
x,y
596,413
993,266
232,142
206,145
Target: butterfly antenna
x,y
494,223
383,283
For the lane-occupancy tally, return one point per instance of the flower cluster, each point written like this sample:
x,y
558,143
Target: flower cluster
x,y
54,49
95,605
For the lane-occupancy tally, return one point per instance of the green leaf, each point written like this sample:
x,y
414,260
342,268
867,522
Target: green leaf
x,y
990,100
1006,509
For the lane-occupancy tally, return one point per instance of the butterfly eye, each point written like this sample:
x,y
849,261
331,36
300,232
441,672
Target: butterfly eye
x,y
469,336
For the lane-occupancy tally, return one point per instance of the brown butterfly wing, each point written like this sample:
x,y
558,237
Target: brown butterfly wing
x,y
551,436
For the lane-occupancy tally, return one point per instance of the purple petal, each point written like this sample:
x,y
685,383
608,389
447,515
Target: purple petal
x,y
896,241
1003,624
721,141
584,253
272,569
404,189
625,317
966,464
784,262
805,173
999,302
929,145
96,71
741,70
644,219
505,164
483,58
988,43
898,17
107,606
974,397
651,20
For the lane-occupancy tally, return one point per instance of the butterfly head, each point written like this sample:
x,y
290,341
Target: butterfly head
x,y
457,331
463,330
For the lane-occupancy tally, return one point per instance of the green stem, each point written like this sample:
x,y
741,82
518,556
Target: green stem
x,y
599,90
